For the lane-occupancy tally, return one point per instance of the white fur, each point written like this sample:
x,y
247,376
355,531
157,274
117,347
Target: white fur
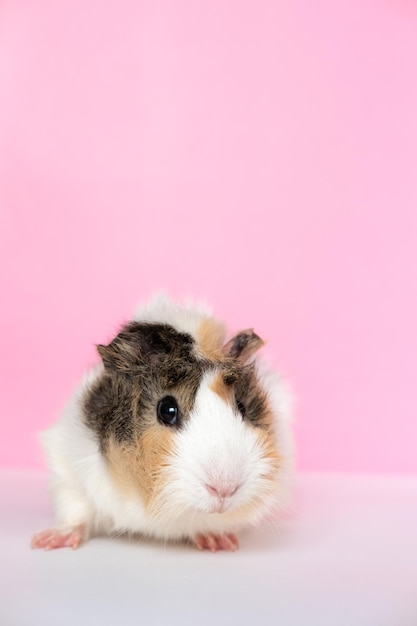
x,y
215,446
185,317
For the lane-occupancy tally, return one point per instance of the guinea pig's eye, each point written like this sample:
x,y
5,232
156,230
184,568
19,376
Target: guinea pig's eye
x,y
241,408
167,411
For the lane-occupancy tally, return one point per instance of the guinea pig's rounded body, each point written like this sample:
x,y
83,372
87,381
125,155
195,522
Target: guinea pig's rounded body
x,y
177,434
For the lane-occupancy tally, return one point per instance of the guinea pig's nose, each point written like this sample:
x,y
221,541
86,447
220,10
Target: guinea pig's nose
x,y
222,491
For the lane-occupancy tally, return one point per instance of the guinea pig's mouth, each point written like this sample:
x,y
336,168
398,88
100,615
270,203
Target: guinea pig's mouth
x,y
219,507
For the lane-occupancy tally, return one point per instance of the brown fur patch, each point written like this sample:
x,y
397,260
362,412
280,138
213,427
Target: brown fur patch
x,y
249,392
210,339
144,363
141,345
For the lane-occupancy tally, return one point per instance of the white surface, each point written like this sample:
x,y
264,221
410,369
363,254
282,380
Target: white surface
x,y
347,555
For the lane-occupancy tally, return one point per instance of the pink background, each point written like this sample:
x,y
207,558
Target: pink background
x,y
260,153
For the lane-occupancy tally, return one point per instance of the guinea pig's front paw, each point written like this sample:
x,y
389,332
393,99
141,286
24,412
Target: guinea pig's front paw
x,y
56,538
213,542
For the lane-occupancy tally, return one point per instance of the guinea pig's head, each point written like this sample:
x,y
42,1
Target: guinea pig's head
x,y
189,428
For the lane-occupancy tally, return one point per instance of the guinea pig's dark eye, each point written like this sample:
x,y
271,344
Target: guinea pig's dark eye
x,y
241,408
167,411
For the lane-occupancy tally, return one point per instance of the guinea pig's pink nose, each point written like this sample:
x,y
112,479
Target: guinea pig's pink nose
x,y
222,491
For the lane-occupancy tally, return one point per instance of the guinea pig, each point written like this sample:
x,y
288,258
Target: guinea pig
x,y
177,434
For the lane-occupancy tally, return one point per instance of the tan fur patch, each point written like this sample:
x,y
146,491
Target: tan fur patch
x,y
210,339
268,421
136,467
267,441
219,387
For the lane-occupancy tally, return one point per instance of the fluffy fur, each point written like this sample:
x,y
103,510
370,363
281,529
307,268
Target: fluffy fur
x,y
220,471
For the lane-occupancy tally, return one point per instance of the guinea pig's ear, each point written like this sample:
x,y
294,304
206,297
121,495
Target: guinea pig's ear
x,y
243,345
136,345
